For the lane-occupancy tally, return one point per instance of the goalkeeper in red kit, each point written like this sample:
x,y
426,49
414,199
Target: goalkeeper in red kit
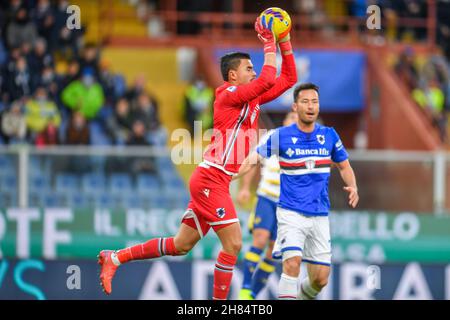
x,y
236,111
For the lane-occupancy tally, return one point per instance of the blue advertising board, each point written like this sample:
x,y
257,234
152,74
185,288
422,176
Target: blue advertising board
x,y
339,74
171,279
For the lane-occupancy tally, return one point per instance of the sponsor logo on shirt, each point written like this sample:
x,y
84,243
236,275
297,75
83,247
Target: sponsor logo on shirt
x,y
290,152
308,152
232,88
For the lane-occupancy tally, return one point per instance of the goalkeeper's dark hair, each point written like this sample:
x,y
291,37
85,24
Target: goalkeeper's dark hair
x,y
231,61
304,86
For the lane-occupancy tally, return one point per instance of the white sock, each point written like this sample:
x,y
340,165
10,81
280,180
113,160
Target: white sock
x,y
306,292
287,288
115,259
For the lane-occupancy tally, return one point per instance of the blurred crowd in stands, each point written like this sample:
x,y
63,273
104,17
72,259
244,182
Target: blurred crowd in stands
x,y
321,15
55,89
198,104
428,81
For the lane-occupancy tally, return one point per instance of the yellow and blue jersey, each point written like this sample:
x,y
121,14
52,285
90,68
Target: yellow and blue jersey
x,y
269,185
264,215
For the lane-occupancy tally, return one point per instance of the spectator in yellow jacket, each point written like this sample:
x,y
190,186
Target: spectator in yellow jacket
x,y
40,112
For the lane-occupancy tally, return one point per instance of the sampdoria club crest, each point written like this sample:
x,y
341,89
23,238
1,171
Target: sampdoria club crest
x,y
220,212
321,138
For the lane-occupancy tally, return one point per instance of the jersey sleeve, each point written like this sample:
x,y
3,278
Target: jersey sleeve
x,y
338,152
286,80
238,95
269,144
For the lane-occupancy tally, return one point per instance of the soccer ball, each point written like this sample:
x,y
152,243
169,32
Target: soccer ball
x,y
277,20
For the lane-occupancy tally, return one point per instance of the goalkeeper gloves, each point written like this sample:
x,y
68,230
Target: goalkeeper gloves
x,y
266,36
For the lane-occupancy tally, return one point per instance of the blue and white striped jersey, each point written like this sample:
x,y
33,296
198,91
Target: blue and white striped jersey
x,y
305,161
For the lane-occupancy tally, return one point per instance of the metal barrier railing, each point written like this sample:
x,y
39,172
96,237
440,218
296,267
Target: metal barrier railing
x,y
387,180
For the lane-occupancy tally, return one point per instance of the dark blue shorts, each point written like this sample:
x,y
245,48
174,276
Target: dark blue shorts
x,y
266,216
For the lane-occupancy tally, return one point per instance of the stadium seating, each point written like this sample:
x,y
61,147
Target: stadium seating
x,y
38,182
104,200
34,199
119,182
6,164
8,199
51,200
8,182
117,190
76,200
162,201
131,200
67,182
93,182
147,184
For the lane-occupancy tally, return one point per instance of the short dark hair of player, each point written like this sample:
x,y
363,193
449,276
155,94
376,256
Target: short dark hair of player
x,y
304,86
231,61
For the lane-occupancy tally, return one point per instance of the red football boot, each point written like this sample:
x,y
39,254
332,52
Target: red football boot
x,y
107,271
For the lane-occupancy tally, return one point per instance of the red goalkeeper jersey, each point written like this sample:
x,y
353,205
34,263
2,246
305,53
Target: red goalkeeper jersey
x,y
236,113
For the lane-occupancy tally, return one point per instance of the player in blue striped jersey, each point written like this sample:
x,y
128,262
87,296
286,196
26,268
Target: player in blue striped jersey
x,y
306,151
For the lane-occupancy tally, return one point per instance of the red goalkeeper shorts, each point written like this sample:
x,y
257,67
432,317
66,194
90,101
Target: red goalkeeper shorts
x,y
211,204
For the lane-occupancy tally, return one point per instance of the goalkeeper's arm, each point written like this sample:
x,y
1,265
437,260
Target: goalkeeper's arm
x,y
244,191
253,159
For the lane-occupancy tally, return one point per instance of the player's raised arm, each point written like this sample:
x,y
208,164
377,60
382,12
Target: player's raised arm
x,y
241,93
288,76
270,47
